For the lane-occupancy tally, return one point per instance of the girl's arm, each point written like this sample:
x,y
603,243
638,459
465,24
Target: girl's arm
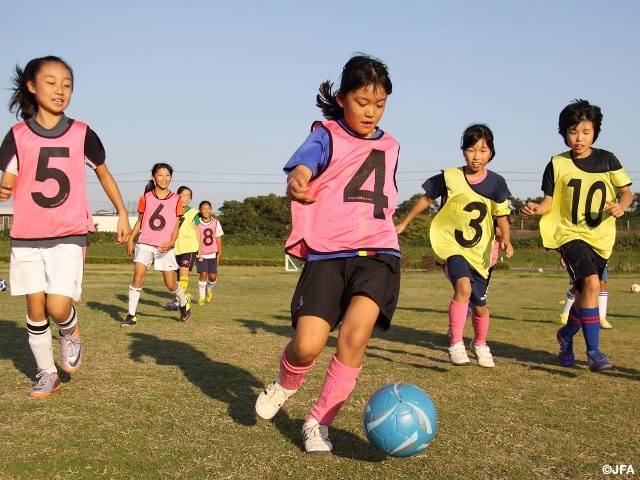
x,y
617,209
541,208
505,235
219,255
171,243
134,234
297,184
6,186
199,237
420,206
110,187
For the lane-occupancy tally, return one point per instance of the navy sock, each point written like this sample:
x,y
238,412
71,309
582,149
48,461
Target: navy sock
x,y
591,328
573,325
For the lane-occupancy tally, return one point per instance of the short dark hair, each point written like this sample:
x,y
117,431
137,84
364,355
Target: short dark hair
x,y
476,132
576,112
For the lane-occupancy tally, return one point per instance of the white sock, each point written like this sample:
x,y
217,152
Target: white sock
x,y
202,287
568,302
179,293
69,325
602,304
41,343
210,285
134,298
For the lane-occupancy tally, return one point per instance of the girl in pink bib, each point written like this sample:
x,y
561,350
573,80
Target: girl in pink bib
x,y
43,161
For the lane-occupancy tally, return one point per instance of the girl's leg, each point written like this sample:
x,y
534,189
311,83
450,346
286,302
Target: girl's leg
x,y
135,289
213,278
39,332
480,320
175,287
296,360
340,380
202,286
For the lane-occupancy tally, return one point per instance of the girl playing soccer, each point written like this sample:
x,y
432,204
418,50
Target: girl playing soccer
x,y
187,243
43,163
158,212
210,234
463,236
342,185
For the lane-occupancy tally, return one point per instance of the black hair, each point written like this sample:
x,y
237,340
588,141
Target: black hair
x,y
361,70
576,112
23,102
474,133
183,188
203,203
151,184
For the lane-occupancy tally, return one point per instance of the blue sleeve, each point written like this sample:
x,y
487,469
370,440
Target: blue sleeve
x,y
502,191
313,153
434,187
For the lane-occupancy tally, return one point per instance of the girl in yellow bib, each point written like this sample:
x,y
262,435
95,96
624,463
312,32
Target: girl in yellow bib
x,y
463,234
579,211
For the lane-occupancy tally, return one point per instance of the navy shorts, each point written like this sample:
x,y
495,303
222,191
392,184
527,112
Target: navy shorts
x,y
207,265
582,261
457,267
187,260
326,287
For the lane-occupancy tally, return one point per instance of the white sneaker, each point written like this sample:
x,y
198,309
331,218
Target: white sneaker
x,y
271,399
458,355
316,437
483,354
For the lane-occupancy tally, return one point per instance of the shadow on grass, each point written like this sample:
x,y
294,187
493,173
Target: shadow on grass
x,y
345,444
436,346
224,382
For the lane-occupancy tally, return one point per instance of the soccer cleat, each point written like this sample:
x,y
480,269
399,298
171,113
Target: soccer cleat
x,y
566,355
483,354
173,304
564,318
130,321
185,312
209,296
271,399
605,324
316,437
71,351
46,384
458,355
598,362
201,301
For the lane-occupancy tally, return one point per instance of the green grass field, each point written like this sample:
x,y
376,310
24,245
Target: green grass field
x,y
166,400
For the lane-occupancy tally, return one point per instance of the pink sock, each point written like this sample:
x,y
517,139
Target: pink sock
x,y
292,377
339,382
457,319
480,329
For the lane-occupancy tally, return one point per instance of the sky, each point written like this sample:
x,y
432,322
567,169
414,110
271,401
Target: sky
x,y
224,91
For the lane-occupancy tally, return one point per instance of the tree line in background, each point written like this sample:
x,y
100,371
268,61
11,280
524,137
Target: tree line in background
x,y
263,219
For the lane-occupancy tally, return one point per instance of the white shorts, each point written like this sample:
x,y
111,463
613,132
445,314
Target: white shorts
x,y
162,262
54,270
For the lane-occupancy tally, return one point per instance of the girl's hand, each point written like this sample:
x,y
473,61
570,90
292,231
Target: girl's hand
x,y
529,209
614,209
130,248
124,230
507,247
297,190
6,190
400,228
165,247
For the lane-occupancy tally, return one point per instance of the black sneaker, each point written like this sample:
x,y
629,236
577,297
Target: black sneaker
x,y
185,312
130,321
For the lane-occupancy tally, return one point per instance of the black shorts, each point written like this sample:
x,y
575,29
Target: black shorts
x,y
186,260
207,265
326,287
457,267
582,261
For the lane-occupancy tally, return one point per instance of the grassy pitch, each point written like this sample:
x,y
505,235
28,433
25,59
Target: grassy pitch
x,y
166,400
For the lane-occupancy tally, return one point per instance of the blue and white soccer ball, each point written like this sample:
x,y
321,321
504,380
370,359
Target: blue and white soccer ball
x,y
400,419
3,285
